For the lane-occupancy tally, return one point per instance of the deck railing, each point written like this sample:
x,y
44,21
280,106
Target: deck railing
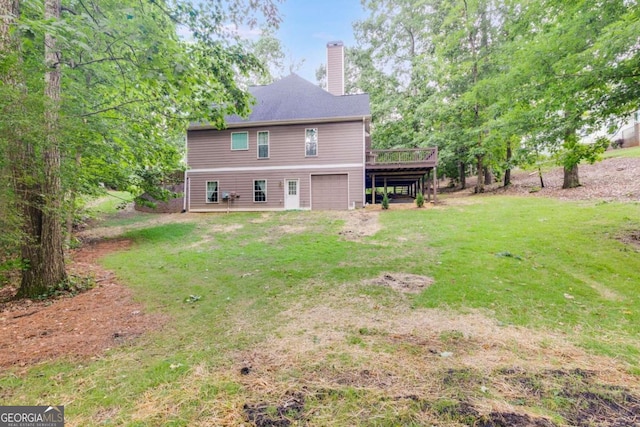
x,y
402,156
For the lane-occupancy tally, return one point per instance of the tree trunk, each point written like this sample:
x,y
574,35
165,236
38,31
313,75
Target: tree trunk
x,y
480,181
71,209
24,172
488,176
571,178
43,249
8,12
507,172
540,176
462,175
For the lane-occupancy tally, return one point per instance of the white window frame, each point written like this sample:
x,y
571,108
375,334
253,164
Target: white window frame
x,y
258,144
254,191
206,192
306,154
239,133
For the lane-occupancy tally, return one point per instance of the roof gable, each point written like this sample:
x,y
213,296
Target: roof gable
x,y
295,99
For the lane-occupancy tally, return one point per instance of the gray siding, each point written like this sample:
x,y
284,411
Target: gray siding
x,y
338,143
210,158
242,184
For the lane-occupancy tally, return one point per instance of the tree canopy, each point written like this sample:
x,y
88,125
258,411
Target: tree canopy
x,y
100,92
491,82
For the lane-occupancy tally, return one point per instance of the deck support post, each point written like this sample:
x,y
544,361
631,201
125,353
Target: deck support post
x,y
373,189
435,191
428,182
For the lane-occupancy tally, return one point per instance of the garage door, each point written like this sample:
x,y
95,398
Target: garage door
x,y
329,192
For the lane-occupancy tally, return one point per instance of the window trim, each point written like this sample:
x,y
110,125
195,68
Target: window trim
x,y
265,191
258,144
238,133
206,191
305,142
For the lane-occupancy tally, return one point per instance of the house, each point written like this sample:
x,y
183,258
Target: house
x,y
300,148
628,135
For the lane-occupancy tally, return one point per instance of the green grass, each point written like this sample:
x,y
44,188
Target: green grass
x,y
106,209
533,262
624,152
566,267
109,203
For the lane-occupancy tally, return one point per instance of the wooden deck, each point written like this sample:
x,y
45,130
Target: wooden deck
x,y
414,158
411,170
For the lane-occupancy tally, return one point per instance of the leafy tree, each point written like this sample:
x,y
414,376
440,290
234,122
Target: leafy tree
x,y
559,61
269,51
393,43
112,89
485,80
429,63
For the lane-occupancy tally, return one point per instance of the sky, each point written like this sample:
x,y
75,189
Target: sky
x,y
308,25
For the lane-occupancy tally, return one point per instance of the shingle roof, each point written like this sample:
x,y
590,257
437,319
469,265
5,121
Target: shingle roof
x,y
294,98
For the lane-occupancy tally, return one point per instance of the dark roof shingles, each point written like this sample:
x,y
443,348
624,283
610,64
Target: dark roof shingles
x,y
294,98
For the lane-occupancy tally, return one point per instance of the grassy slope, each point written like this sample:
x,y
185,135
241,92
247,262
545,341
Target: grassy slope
x,y
625,152
108,203
567,267
567,272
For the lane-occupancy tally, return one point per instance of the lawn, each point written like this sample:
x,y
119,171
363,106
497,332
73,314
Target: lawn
x,y
530,309
625,152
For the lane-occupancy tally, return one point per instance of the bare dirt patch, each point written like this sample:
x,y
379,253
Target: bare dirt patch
x,y
359,223
276,415
78,326
460,368
632,238
98,232
401,282
613,179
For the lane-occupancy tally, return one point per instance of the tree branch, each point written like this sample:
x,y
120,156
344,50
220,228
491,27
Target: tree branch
x,y
66,9
109,58
114,107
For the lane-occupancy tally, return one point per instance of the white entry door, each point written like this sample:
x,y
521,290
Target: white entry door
x,y
291,194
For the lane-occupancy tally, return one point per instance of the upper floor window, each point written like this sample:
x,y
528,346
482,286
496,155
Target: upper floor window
x,y
212,191
260,190
239,140
263,145
311,142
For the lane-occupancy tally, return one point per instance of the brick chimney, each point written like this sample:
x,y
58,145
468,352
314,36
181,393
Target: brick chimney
x,y
335,68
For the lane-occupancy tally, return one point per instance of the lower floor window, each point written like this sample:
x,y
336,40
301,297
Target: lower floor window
x,y
212,191
260,190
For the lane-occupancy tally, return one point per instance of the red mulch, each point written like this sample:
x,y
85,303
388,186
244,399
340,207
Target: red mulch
x,y
81,326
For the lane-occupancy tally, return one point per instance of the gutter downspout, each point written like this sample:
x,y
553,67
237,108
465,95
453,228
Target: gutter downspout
x,y
364,161
186,180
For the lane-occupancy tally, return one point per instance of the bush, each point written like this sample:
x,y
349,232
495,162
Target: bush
x,y
385,201
420,200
